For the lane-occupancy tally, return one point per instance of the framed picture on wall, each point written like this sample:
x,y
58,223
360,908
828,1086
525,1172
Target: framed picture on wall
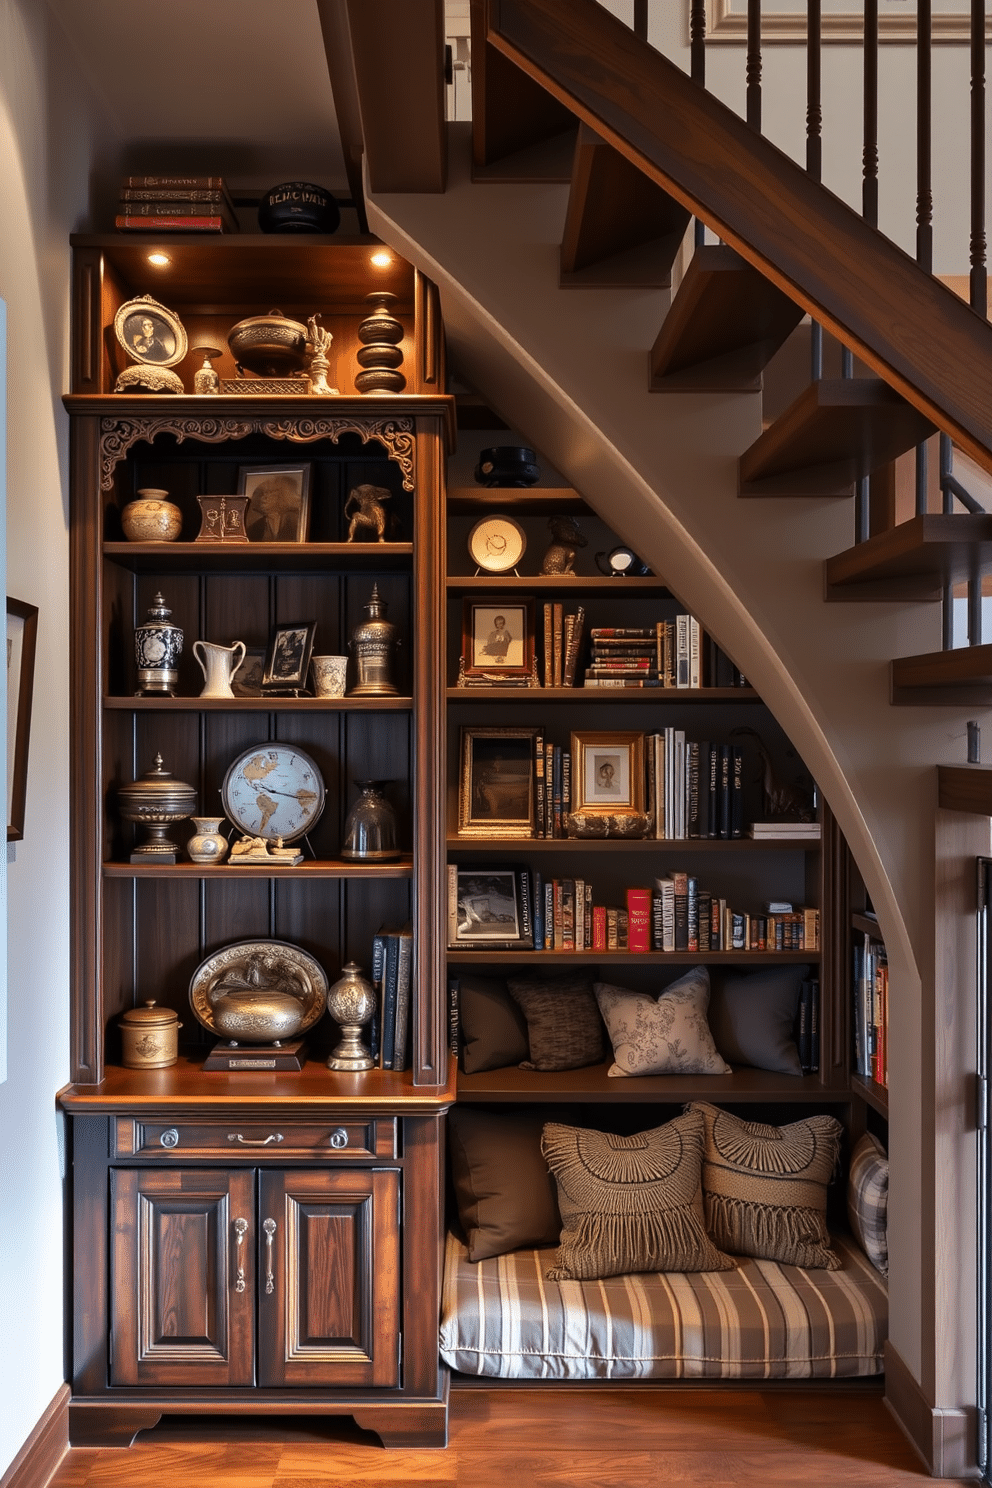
x,y
22,635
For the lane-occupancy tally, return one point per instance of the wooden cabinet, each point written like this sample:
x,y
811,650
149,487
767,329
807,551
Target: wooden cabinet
x,y
253,1241
206,1260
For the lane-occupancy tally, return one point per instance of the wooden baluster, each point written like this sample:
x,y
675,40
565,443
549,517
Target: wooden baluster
x,y
697,71
754,64
924,199
641,19
979,272
947,590
869,185
814,146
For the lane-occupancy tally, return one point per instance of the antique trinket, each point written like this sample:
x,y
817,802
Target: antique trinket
x,y
373,646
151,517
370,830
380,355
351,1003
149,1037
158,645
156,801
154,338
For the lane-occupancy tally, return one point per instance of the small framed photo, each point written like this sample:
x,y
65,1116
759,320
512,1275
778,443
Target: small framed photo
x,y
22,636
247,680
278,502
496,796
608,773
287,660
486,912
498,639
149,333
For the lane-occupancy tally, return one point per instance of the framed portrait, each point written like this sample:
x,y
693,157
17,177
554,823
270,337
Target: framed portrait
x,y
496,796
149,333
247,680
841,21
287,659
498,639
485,912
608,773
22,636
278,502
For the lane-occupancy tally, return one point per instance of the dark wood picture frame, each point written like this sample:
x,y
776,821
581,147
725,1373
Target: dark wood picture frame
x,y
496,791
287,659
483,622
22,640
278,501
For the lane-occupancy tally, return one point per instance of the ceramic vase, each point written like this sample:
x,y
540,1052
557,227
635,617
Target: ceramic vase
x,y
218,665
152,517
208,843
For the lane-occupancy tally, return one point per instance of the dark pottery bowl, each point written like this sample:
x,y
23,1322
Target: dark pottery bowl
x,y
508,465
298,206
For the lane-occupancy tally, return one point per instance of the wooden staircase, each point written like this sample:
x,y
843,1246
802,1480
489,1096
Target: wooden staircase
x,y
564,92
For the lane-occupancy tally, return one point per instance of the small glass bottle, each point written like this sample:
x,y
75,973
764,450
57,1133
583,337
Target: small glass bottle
x,y
370,831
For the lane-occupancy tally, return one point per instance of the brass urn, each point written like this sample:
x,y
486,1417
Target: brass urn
x,y
149,1037
351,1003
156,801
373,646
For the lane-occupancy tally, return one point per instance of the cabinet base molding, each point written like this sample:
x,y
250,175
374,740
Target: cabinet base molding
x,y
944,1438
45,1447
101,1423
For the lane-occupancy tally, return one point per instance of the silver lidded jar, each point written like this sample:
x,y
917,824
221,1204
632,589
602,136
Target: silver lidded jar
x,y
373,646
370,829
350,1002
157,802
158,645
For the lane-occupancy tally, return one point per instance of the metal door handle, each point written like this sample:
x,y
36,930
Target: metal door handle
x,y
240,1230
269,1226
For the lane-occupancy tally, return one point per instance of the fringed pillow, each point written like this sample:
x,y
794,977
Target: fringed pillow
x,y
765,1187
630,1203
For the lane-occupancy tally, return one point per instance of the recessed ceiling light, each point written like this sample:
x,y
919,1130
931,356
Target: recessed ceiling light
x,y
382,259
160,260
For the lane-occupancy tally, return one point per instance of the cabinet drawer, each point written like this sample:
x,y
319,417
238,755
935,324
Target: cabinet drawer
x,y
261,1140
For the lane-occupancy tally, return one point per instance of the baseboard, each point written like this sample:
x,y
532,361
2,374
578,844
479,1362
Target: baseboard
x,y
945,1439
44,1449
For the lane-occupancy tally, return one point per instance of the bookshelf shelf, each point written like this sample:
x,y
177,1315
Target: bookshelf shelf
x,y
594,1085
556,584
633,958
258,705
194,557
644,695
675,847
304,871
873,1094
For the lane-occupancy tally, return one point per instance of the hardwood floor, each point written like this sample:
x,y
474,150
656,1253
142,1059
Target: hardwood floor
x,y
525,1438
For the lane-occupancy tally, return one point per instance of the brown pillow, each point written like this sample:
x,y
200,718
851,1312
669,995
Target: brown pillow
x,y
494,1033
564,1029
630,1203
765,1187
504,1192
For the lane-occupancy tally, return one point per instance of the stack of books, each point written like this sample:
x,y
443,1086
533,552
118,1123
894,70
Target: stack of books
x,y
694,788
871,1010
392,972
175,204
785,831
624,657
563,636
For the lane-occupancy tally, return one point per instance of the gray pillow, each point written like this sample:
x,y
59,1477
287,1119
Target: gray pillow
x,y
494,1033
753,1018
504,1192
564,1029
868,1200
663,1035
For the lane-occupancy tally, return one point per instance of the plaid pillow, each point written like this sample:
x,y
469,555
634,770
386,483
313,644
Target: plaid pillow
x,y
868,1200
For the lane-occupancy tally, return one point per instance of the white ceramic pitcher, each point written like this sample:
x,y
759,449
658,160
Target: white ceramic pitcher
x,y
218,665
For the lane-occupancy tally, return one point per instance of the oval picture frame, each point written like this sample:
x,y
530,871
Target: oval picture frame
x,y
163,345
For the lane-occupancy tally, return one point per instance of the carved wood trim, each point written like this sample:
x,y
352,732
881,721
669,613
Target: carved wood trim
x,y
117,435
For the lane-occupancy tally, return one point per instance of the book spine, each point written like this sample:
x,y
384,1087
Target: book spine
x,y
185,194
557,609
692,913
693,757
713,793
175,183
178,208
623,930
612,943
651,785
170,222
549,767
559,914
452,905
815,1027
695,660
679,790
681,882
639,919
737,793
573,646
556,793
607,632
389,1000
454,1018
377,970
538,911
549,915
723,816
705,920
669,672
599,927
526,912
631,681
587,918
568,914
657,920
580,914
738,934
404,974
566,790
539,785
811,929
682,651
549,645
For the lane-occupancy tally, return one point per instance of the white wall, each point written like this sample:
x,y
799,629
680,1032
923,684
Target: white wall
x,y
49,138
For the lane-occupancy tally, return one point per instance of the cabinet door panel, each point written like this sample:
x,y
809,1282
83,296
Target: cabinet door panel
x,y
183,1277
329,1278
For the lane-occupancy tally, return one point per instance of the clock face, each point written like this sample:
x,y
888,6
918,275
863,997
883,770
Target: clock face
x,y
273,791
497,543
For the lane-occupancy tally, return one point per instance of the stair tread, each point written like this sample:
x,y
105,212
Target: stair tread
x,y
965,788
836,431
961,676
913,560
725,324
620,226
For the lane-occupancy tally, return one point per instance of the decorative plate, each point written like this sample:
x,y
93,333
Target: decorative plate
x,y
266,968
497,543
273,791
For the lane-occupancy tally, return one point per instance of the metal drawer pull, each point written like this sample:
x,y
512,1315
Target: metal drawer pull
x,y
254,1141
169,1138
241,1230
269,1226
339,1138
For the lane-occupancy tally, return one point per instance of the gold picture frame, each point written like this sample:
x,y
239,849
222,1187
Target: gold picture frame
x,y
496,790
785,21
608,773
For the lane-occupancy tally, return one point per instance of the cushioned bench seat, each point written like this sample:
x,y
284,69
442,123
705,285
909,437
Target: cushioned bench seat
x,y
502,1317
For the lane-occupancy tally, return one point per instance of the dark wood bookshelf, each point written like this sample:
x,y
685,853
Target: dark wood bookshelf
x,y
669,846
651,695
458,957
259,705
561,587
252,557
594,1085
307,870
536,500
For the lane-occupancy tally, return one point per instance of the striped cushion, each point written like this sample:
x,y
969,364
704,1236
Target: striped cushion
x,y
868,1199
502,1317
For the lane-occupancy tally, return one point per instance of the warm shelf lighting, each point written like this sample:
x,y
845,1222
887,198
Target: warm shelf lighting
x,y
382,259
160,260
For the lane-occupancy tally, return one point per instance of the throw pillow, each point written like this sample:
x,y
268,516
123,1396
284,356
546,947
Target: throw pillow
x,y
765,1187
493,1030
753,1018
564,1029
868,1200
665,1035
504,1192
630,1203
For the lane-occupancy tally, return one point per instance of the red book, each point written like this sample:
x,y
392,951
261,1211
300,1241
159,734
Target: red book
x,y
638,919
599,927
126,222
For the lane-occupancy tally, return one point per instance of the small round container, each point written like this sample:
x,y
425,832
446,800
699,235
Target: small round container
x,y
150,1037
